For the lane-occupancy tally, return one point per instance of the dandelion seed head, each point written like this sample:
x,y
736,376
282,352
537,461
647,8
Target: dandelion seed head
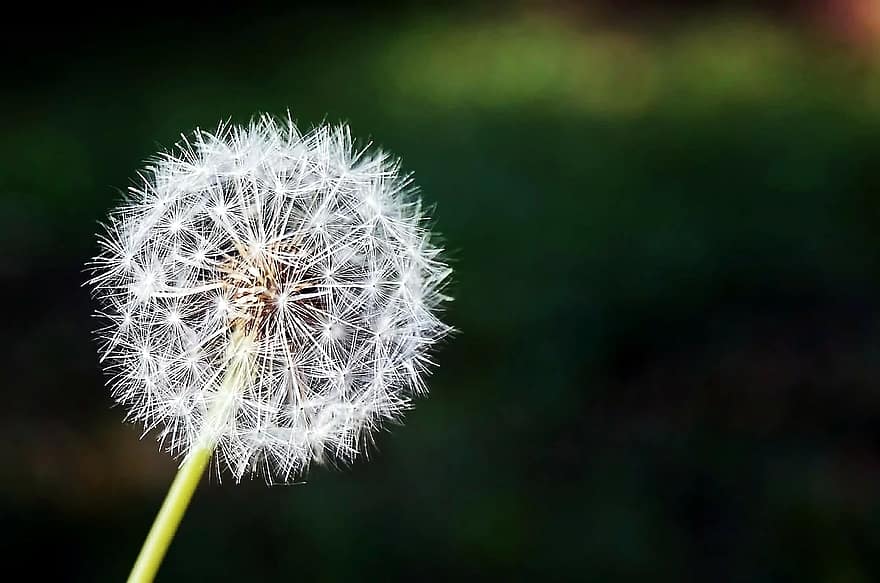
x,y
313,251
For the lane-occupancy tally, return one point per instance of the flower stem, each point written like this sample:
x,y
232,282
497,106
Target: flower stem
x,y
165,525
221,411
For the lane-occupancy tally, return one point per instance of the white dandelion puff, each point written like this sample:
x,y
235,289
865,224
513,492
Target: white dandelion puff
x,y
269,294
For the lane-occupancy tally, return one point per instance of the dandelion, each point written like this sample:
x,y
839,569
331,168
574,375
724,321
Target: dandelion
x,y
269,298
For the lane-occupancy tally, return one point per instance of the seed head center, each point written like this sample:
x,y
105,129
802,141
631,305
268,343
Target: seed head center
x,y
259,285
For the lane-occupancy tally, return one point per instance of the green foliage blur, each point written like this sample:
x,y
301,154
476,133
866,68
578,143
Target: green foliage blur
x,y
665,235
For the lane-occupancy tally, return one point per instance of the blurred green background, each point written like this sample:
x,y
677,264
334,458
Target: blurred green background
x,y
664,218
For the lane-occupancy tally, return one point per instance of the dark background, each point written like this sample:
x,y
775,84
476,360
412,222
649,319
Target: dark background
x,y
665,218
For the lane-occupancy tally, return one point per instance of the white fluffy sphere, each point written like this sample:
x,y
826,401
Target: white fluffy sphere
x,y
301,261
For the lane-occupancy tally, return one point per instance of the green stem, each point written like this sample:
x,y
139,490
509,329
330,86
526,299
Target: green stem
x,y
221,410
169,516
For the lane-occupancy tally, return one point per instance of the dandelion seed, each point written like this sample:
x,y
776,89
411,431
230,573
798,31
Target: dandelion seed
x,y
316,253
